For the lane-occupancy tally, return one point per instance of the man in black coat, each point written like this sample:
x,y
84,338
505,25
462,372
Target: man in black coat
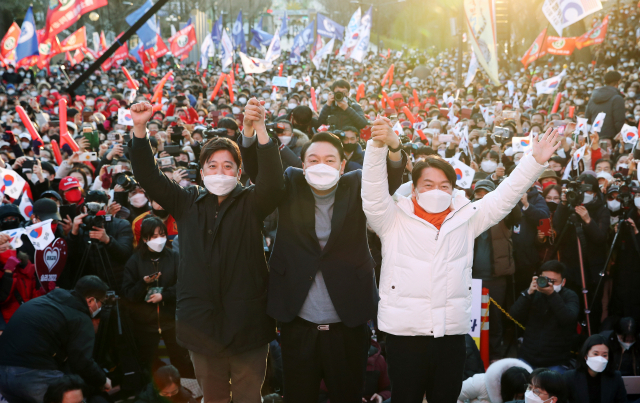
x,y
321,284
549,315
50,334
352,149
344,112
608,99
222,279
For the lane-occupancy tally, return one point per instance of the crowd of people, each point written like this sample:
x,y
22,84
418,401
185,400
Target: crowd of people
x,y
279,246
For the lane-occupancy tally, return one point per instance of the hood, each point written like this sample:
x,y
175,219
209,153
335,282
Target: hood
x,y
604,94
301,138
494,374
70,299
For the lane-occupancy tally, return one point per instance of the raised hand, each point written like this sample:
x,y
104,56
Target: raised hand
x,y
141,113
253,117
544,148
382,133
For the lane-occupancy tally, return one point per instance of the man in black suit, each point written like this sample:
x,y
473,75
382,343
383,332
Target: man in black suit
x,y
321,285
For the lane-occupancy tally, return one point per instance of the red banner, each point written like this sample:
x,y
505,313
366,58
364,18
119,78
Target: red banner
x,y
10,40
183,41
594,36
160,49
559,46
75,41
67,12
536,50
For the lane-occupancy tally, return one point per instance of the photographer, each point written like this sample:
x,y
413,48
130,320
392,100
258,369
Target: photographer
x,y
593,217
49,335
111,237
549,312
150,277
340,111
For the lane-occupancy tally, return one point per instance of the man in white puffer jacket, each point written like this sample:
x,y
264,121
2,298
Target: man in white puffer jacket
x,y
427,254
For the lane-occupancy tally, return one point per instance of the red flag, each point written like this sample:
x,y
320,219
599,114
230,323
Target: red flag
x,y
536,50
594,36
146,63
559,46
161,48
183,41
10,40
103,42
66,13
74,41
360,93
157,90
314,102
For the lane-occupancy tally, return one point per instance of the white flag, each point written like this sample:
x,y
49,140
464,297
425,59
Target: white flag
x,y
511,88
464,173
40,234
274,51
26,207
124,117
14,237
581,126
598,121
629,134
521,144
548,86
473,69
562,13
397,129
516,102
207,50
350,37
253,65
227,49
12,183
364,32
577,156
322,53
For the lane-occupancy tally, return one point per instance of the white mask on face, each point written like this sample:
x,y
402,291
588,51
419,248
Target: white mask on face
x,y
96,312
157,244
138,200
614,205
325,96
434,201
621,166
220,185
488,166
588,198
531,397
557,288
597,364
321,176
625,346
285,139
25,144
482,141
292,105
235,110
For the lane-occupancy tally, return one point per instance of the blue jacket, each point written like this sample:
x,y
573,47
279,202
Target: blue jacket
x,y
524,252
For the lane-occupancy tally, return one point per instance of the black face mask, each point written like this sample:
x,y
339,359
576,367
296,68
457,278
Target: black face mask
x,y
351,147
10,223
161,213
552,206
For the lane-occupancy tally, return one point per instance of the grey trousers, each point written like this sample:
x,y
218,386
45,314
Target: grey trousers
x,y
240,376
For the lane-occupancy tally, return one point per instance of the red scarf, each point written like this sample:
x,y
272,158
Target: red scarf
x,y
434,218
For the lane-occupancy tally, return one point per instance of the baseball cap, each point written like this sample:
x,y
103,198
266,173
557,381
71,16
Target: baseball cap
x,y
46,209
68,182
485,184
52,193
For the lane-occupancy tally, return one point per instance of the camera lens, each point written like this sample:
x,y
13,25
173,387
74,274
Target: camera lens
x,y
542,282
338,96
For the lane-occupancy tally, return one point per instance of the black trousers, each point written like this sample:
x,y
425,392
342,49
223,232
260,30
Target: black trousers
x,y
147,342
420,365
337,355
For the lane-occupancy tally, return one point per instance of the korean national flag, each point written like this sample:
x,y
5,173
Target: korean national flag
x,y
520,144
12,184
40,234
464,173
28,40
124,117
598,121
629,134
14,236
26,207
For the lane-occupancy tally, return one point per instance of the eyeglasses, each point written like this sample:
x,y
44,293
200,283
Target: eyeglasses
x,y
535,390
170,394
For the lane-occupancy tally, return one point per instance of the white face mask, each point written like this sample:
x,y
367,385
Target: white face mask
x,y
625,346
138,200
614,205
285,139
96,312
220,185
325,96
588,198
235,110
434,201
597,364
531,397
557,288
321,176
488,166
157,244
482,141
25,144
34,177
621,166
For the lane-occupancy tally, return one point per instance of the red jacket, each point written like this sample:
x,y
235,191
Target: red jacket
x,y
192,114
18,287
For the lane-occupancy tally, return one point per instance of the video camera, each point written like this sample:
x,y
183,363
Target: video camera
x,y
127,182
626,195
575,192
210,132
275,128
111,298
93,219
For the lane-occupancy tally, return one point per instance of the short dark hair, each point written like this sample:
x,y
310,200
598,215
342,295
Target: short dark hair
x,y
228,123
154,122
434,161
340,84
554,266
626,327
552,382
595,340
148,228
66,383
513,382
218,144
166,376
351,129
91,286
302,115
327,137
612,77
608,161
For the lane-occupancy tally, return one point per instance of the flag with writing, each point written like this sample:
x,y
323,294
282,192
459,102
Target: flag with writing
x,y
464,173
40,234
578,155
521,144
12,184
14,237
598,121
629,134
26,207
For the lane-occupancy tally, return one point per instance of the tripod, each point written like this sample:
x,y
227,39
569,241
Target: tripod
x,y
574,221
102,263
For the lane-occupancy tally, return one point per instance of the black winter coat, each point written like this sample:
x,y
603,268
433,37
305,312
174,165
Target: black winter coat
x,y
334,115
222,278
596,235
612,388
53,332
345,261
550,322
145,315
151,395
607,99
625,298
356,161
524,253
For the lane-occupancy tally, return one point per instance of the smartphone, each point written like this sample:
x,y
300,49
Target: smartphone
x,y
92,137
89,156
166,162
69,210
115,169
509,114
153,274
28,164
113,136
192,173
557,123
54,123
122,198
561,129
172,150
445,138
171,119
544,226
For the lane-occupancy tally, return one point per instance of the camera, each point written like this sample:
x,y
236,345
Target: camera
x,y
192,170
575,193
338,96
93,219
111,298
210,132
542,282
276,128
127,182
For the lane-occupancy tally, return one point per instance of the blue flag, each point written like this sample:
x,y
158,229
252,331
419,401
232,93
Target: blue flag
x,y
216,31
28,40
148,33
237,34
284,29
134,52
260,38
300,43
329,28
259,26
